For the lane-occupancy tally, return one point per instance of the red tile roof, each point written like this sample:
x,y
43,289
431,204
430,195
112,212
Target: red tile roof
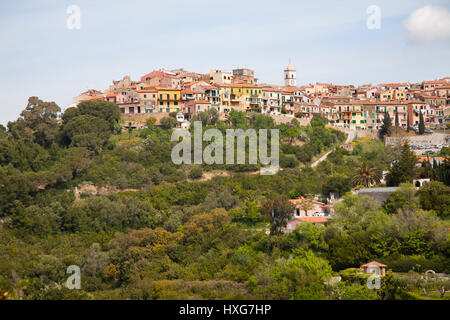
x,y
373,263
313,219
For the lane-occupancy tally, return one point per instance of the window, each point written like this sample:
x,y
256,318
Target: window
x,y
175,103
145,96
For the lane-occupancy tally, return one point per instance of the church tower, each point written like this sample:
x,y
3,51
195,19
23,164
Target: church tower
x,y
290,76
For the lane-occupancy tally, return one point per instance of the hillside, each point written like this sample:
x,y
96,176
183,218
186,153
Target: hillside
x,y
77,190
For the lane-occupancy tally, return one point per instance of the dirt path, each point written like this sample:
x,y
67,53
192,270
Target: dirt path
x,y
351,136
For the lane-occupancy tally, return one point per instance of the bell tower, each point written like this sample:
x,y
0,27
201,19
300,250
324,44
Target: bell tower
x,y
290,76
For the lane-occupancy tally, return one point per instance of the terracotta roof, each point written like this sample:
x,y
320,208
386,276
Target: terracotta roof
x,y
402,84
435,82
313,219
93,98
373,263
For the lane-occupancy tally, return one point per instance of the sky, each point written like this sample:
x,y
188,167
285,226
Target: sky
x,y
326,40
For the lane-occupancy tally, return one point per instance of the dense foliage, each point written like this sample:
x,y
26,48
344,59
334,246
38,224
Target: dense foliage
x,y
76,191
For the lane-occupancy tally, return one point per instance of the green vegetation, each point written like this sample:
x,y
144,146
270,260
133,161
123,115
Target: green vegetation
x,y
386,127
421,124
141,227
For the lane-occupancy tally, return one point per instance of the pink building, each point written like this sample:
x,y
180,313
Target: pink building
x,y
192,107
314,208
116,98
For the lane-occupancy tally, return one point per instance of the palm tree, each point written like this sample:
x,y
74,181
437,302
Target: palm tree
x,y
366,176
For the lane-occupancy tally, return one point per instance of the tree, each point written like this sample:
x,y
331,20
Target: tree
x,y
421,124
250,213
441,171
237,119
386,126
404,170
435,196
366,176
404,197
150,122
337,182
41,118
105,110
195,173
87,131
209,117
168,122
280,210
408,127
389,287
306,204
355,214
396,119
291,133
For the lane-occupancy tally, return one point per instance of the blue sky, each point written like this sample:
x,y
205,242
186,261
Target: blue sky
x,y
327,41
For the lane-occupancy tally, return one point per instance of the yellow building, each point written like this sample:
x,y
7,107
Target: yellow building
x,y
169,100
393,94
240,97
358,116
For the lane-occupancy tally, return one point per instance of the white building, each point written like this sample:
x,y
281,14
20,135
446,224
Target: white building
x,y
220,77
290,76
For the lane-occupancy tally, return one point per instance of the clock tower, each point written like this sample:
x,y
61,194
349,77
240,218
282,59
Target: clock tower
x,y
290,76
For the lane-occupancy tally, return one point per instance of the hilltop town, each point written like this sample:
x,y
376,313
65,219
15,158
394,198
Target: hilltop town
x,y
162,92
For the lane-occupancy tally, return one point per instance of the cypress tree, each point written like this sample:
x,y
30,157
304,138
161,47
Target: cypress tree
x,y
386,126
407,125
396,118
421,124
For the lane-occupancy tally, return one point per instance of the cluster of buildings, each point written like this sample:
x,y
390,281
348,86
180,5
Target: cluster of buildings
x,y
359,108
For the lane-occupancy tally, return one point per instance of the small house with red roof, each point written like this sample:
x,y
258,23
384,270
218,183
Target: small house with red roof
x,y
308,210
374,267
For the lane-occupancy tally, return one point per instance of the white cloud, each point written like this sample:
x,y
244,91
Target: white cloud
x,y
428,24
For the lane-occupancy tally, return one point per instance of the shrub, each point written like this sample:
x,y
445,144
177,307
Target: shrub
x,y
196,173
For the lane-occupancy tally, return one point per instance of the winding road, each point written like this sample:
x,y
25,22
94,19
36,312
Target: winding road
x,y
351,136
